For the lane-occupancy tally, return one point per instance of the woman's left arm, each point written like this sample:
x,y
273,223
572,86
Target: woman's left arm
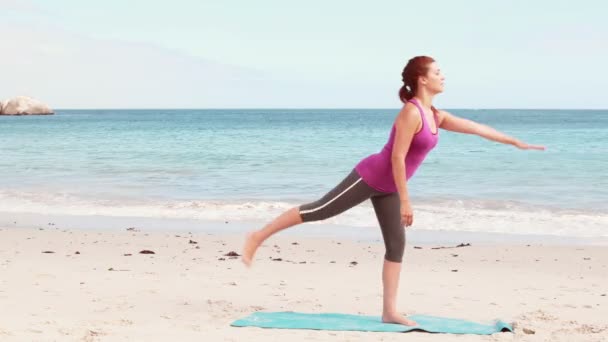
x,y
453,123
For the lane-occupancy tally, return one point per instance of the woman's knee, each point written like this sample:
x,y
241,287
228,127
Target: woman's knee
x,y
309,213
395,248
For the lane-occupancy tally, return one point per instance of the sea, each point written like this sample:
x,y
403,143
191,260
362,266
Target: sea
x,y
248,165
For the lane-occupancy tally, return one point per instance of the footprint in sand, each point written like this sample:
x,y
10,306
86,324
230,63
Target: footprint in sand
x,y
91,335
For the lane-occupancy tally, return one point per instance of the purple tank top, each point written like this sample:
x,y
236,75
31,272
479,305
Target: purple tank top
x,y
376,170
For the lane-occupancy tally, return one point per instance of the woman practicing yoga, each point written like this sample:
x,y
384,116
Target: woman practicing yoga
x,y
382,177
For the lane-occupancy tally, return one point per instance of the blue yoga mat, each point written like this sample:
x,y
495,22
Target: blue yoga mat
x,y
345,322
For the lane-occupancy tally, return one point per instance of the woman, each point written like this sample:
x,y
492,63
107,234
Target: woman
x,y
382,177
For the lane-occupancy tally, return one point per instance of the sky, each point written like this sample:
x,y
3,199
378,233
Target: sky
x,y
302,54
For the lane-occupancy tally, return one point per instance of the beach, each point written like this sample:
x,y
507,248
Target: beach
x,y
77,211
95,285
173,133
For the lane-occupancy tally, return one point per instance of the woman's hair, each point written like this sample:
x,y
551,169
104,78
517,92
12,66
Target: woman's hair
x,y
416,67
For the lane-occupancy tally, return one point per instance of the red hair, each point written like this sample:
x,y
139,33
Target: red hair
x,y
416,67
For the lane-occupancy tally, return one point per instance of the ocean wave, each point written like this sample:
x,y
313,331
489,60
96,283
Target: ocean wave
x,y
433,214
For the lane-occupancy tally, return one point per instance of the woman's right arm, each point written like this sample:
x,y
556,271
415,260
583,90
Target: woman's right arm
x,y
406,124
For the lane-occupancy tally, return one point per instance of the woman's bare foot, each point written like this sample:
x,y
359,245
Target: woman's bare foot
x,y
398,319
252,242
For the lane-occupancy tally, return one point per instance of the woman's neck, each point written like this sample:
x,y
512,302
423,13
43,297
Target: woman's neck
x,y
425,98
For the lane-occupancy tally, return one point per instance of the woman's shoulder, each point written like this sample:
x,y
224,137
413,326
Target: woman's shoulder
x,y
408,116
441,114
409,111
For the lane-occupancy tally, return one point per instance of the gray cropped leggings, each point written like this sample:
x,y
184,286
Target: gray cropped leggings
x,y
351,192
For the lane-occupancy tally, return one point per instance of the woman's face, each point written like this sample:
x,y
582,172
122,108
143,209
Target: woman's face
x,y
434,79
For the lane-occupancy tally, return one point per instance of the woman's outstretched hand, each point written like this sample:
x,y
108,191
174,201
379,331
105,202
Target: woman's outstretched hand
x,y
523,146
407,215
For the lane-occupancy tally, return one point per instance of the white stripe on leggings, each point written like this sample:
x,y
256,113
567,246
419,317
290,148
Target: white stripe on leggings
x,y
329,202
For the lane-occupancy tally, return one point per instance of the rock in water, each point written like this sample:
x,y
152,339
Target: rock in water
x,y
23,105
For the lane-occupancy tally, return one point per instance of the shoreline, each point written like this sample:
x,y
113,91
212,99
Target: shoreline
x,y
307,230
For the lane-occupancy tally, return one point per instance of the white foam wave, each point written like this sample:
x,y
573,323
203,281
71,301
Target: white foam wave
x,y
449,215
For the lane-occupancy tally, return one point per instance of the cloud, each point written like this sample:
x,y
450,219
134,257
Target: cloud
x,y
72,71
20,6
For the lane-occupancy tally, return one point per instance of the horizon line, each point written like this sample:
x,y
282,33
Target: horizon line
x,y
316,108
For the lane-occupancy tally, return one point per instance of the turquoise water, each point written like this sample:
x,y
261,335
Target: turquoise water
x,y
194,158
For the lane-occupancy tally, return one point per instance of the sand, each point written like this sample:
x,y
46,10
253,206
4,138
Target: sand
x,y
96,286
